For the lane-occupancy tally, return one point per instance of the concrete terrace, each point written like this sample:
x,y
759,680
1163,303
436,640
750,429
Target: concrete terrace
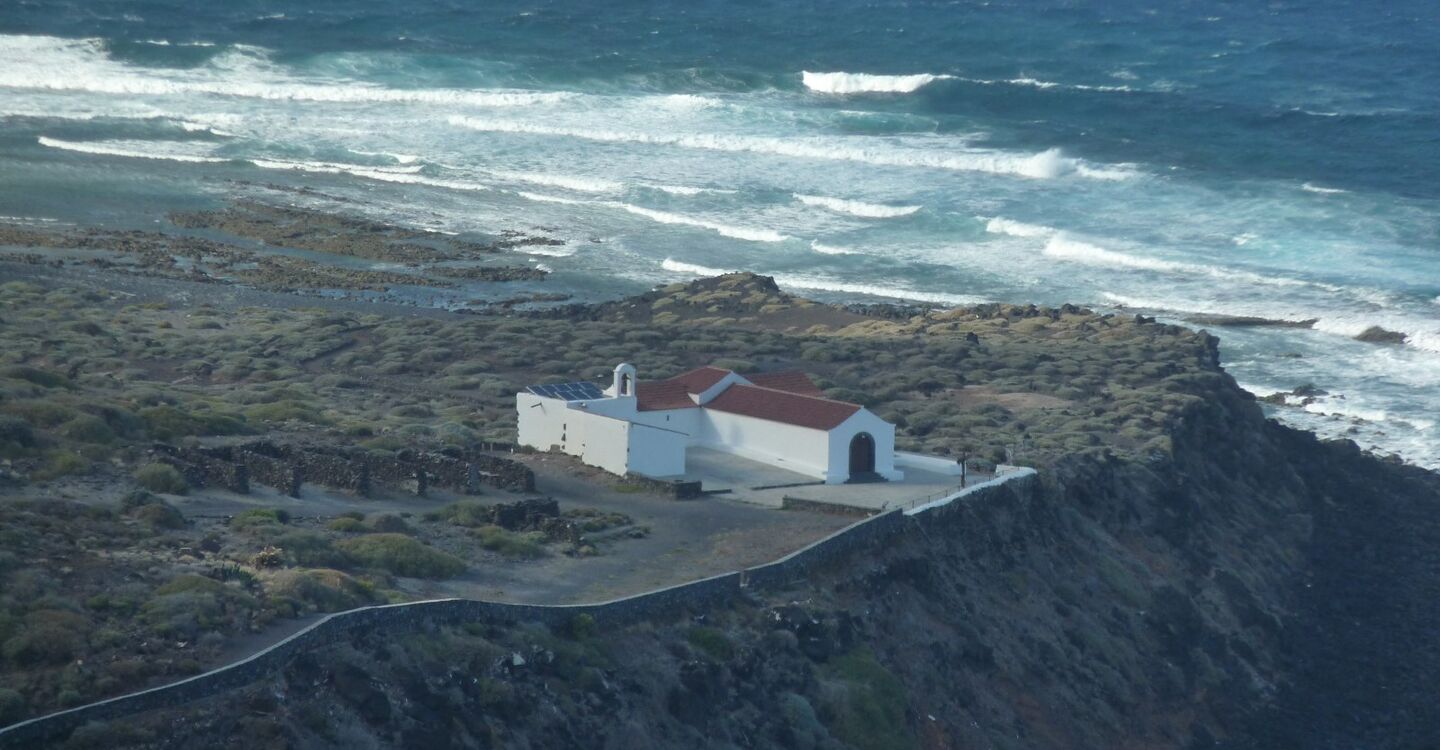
x,y
762,484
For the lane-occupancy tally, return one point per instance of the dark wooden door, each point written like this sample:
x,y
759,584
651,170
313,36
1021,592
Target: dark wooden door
x,y
862,454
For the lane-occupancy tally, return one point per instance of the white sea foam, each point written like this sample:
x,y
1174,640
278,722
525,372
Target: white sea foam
x,y
1332,406
400,158
1310,187
676,266
1064,247
739,233
1044,165
824,249
1041,84
168,43
686,190
1420,334
856,208
539,198
54,64
135,149
816,283
568,182
865,83
549,251
876,290
1001,225
401,175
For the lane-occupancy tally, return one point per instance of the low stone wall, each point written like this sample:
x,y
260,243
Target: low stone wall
x,y
674,601
287,468
678,489
788,502
270,470
201,469
332,469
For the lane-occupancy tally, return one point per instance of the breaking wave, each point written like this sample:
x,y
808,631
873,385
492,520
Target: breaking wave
x,y
1001,225
686,190
401,175
1040,84
857,208
1064,247
1044,165
820,284
1313,188
1419,334
578,184
739,233
132,149
53,64
824,249
865,83
1061,246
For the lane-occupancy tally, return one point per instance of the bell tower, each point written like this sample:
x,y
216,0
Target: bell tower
x,y
624,385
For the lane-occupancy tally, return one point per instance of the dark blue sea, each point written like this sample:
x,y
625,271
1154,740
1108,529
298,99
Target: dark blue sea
x,y
1269,159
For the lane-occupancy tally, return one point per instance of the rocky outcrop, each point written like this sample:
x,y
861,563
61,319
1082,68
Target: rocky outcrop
x,y
1252,587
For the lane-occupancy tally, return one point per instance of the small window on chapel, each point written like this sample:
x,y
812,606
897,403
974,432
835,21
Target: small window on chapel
x,y
625,385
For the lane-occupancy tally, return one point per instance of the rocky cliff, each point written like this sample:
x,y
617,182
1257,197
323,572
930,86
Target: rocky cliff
x,y
1254,588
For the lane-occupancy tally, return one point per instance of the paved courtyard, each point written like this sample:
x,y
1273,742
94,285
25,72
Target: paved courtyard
x,y
763,484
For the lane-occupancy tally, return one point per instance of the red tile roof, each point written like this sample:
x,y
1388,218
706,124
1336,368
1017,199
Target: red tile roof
x,y
793,381
700,378
782,406
657,395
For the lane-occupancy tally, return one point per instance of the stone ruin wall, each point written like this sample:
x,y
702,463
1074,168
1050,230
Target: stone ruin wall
x,y
287,468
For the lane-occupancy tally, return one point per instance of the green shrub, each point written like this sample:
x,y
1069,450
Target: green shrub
x,y
346,525
509,543
321,589
60,464
42,378
311,550
285,411
189,582
88,428
712,641
463,513
47,636
12,706
581,626
259,518
188,604
161,478
401,555
17,438
166,422
390,524
871,711
161,515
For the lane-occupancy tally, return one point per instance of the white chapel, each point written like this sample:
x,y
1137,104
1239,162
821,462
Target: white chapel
x,y
779,418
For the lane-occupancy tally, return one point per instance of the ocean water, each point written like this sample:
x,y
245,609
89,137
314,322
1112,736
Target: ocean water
x,y
1279,159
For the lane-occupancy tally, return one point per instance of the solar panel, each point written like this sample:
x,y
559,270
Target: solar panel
x,y
568,391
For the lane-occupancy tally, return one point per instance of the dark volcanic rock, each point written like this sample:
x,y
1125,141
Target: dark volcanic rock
x,y
1378,335
1245,321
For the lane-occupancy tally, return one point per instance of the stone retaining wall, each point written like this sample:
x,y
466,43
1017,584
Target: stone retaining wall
x,y
674,601
202,469
287,468
788,502
676,488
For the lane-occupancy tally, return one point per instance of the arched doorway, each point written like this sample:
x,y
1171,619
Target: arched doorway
x,y
862,455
